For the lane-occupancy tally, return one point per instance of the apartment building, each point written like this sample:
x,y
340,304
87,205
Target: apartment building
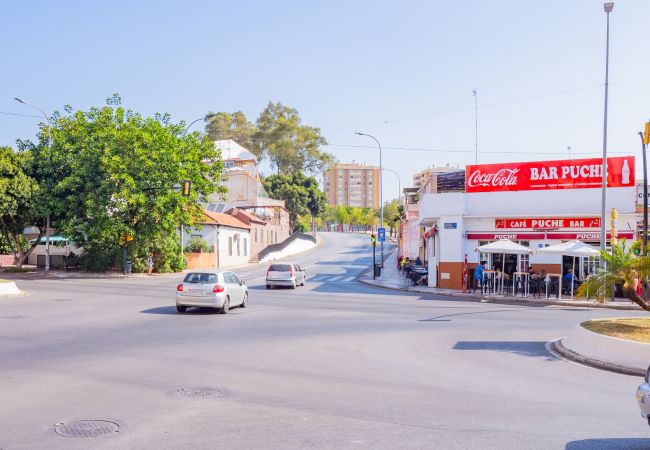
x,y
352,185
423,177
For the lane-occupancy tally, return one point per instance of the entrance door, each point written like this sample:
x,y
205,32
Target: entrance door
x,y
510,263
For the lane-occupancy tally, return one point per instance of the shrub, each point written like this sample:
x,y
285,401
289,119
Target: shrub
x,y
198,245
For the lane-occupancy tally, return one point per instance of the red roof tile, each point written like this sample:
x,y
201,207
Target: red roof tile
x,y
226,220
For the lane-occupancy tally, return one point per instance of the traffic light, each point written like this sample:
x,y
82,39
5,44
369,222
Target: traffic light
x,y
373,240
613,223
646,135
186,188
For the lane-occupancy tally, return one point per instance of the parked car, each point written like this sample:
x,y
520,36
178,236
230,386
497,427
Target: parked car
x,y
643,396
218,290
285,274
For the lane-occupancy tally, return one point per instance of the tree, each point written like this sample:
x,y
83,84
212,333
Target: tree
x,y
301,194
342,216
622,268
111,172
355,216
234,126
18,203
392,214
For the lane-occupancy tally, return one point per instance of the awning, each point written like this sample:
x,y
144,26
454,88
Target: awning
x,y
540,235
571,248
504,246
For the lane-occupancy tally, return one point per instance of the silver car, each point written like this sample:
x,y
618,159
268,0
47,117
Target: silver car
x,y
285,274
218,290
643,397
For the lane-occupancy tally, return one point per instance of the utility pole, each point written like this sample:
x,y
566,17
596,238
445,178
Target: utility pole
x,y
603,233
475,126
645,139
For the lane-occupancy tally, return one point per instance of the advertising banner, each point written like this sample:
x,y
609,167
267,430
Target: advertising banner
x,y
541,223
562,235
545,175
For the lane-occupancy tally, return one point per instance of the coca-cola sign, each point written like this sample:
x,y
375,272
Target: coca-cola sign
x,y
543,175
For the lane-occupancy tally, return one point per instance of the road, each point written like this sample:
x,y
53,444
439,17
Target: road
x,y
333,365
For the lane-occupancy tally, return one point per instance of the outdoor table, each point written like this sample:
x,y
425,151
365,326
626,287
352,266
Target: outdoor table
x,y
488,276
525,278
558,291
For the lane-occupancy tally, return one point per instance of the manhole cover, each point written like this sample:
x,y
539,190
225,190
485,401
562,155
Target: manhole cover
x,y
201,392
86,428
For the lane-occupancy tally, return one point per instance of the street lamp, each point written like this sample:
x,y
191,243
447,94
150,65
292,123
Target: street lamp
x,y
381,191
399,199
204,118
49,146
603,236
475,126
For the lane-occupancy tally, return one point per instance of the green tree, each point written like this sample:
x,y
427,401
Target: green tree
x,y
342,216
356,216
623,268
234,126
392,214
18,203
301,194
111,172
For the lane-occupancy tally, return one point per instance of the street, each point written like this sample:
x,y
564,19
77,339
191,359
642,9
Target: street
x,y
335,364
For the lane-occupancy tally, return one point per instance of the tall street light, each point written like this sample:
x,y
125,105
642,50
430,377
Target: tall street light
x,y
49,146
603,236
381,191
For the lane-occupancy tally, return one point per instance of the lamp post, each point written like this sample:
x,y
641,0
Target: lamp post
x,y
603,236
644,140
381,191
47,219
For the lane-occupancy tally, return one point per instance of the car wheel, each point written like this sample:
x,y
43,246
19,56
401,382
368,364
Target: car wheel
x,y
303,282
181,309
244,302
268,286
226,306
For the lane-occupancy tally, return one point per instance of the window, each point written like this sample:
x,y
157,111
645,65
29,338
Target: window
x,y
206,278
230,246
255,234
234,278
238,249
276,237
245,247
227,277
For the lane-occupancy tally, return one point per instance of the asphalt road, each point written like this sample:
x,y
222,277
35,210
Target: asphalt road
x,y
332,365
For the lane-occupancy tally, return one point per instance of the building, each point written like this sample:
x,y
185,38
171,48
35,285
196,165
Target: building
x,y
428,176
228,238
241,179
353,185
268,225
533,203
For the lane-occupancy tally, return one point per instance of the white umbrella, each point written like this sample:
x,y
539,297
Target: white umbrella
x,y
576,249
504,247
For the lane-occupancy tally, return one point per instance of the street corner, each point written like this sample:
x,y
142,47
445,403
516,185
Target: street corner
x,y
9,289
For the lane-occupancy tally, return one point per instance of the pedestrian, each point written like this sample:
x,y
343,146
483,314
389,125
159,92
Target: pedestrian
x,y
150,263
478,275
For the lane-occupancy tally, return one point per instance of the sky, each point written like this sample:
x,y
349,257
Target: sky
x,y
401,71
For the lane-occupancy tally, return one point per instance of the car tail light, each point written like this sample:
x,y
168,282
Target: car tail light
x,y
179,288
647,375
291,267
217,288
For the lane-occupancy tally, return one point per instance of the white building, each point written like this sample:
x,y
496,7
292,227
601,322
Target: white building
x,y
512,201
228,238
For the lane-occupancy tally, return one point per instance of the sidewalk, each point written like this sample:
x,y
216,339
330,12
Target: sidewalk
x,y
391,278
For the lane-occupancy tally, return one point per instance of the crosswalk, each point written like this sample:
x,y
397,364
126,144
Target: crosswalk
x,y
331,278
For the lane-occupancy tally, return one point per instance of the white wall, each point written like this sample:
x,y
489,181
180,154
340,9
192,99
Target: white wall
x,y
218,239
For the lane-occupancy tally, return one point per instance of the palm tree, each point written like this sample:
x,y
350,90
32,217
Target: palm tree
x,y
622,267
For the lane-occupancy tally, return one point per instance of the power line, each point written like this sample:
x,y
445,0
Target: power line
x,y
453,111
21,115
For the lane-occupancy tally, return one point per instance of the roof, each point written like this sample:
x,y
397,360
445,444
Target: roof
x,y
232,150
226,220
251,217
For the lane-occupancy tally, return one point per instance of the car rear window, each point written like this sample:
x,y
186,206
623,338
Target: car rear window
x,y
280,268
205,278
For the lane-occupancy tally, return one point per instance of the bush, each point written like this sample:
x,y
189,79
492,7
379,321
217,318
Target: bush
x,y
198,245
12,269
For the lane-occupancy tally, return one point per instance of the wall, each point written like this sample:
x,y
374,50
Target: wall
x,y
201,260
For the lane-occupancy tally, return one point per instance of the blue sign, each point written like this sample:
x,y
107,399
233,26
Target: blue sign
x,y
381,234
451,225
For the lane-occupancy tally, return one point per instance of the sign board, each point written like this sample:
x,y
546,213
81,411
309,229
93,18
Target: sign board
x,y
563,235
450,225
381,234
541,223
545,175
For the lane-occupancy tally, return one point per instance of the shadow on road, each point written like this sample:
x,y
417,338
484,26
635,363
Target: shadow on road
x,y
525,348
172,310
609,443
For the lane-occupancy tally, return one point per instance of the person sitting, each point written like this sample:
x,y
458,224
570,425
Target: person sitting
x,y
405,263
418,262
399,262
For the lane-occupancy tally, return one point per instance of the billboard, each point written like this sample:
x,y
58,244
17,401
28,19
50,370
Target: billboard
x,y
546,175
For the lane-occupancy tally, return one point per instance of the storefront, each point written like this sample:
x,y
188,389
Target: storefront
x,y
534,203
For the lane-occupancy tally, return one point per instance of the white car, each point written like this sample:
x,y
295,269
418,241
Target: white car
x,y
218,290
643,397
285,274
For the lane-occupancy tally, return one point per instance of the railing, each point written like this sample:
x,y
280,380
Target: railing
x,y
282,245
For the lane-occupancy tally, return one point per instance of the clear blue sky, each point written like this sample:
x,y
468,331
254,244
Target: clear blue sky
x,y
391,69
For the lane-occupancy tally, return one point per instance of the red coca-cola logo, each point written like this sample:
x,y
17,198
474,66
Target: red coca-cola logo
x,y
503,177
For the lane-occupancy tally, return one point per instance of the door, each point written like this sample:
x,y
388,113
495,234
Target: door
x,y
234,288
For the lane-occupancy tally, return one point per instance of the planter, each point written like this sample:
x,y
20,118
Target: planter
x,y
607,349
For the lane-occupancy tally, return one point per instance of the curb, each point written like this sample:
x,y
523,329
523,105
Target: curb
x,y
557,347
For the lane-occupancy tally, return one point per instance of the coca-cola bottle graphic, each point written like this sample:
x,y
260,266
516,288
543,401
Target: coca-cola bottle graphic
x,y
625,173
